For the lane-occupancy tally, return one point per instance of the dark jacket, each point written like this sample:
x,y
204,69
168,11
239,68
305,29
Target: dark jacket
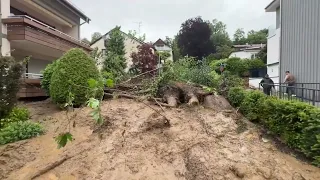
x,y
267,83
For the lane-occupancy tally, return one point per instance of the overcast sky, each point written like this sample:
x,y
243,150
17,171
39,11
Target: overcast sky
x,y
164,17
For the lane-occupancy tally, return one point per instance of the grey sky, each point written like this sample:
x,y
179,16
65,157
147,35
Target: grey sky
x,y
164,17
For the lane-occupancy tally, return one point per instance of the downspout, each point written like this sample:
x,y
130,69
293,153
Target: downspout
x,y
280,46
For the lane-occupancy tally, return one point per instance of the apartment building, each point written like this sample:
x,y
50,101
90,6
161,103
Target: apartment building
x,y
43,30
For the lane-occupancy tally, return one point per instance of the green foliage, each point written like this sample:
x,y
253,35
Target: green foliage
x,y
164,55
47,74
237,66
16,115
115,61
236,96
297,123
19,131
10,73
263,54
250,105
223,51
239,37
74,70
95,36
63,139
133,33
257,37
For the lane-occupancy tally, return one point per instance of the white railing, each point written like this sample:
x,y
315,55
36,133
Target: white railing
x,y
49,27
32,76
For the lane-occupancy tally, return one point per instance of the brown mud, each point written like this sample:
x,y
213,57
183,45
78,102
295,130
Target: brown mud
x,y
137,143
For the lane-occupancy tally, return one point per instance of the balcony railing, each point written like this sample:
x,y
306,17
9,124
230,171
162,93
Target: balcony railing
x,y
32,76
22,27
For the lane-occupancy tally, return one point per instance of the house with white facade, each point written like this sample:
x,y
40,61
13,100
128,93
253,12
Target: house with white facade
x,y
161,46
130,44
42,30
246,51
273,53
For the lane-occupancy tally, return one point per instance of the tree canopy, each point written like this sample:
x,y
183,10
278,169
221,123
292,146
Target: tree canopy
x,y
194,38
95,36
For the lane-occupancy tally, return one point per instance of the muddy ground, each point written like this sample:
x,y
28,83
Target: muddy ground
x,y
200,144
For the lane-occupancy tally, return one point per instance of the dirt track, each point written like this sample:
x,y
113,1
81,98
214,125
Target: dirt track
x,y
200,144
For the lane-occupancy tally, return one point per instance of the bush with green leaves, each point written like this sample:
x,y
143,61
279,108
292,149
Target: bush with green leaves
x,y
72,73
296,123
16,115
19,131
237,66
10,73
47,74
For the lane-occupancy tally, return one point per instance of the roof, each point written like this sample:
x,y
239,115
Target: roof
x,y
75,9
160,41
132,37
272,7
246,47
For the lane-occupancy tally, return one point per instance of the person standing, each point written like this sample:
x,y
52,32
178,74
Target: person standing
x,y
290,80
267,84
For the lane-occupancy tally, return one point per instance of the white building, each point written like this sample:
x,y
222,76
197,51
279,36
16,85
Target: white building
x,y
247,51
273,54
161,46
130,44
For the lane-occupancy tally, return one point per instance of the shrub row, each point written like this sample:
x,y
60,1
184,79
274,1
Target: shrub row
x,y
16,115
297,123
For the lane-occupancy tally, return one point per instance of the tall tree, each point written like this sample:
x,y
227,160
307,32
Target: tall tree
x,y
239,37
223,52
95,36
263,54
175,49
219,35
257,37
169,41
85,40
133,33
194,38
115,61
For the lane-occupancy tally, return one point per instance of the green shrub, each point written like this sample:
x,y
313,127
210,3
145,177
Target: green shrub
x,y
10,73
16,115
47,74
72,73
19,131
251,105
297,123
236,96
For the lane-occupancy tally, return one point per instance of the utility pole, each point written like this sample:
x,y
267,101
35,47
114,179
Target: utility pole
x,y
139,27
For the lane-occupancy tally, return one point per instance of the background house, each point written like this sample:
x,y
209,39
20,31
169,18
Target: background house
x,y
43,30
131,45
247,51
161,46
294,45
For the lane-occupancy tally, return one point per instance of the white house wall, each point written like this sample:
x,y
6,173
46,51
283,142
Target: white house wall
x,y
242,54
273,54
130,47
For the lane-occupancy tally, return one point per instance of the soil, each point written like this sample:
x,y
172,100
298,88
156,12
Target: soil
x,y
138,143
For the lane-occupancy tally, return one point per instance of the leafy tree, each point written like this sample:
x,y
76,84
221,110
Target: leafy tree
x,y
10,73
223,52
239,37
263,54
144,60
164,55
257,37
115,61
194,38
133,33
95,36
85,40
169,41
219,35
47,74
175,49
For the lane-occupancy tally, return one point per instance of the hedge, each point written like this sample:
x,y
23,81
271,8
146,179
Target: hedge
x,y
297,123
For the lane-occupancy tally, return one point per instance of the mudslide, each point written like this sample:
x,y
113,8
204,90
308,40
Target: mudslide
x,y
139,144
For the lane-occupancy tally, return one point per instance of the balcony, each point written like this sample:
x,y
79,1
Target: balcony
x,y
30,34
